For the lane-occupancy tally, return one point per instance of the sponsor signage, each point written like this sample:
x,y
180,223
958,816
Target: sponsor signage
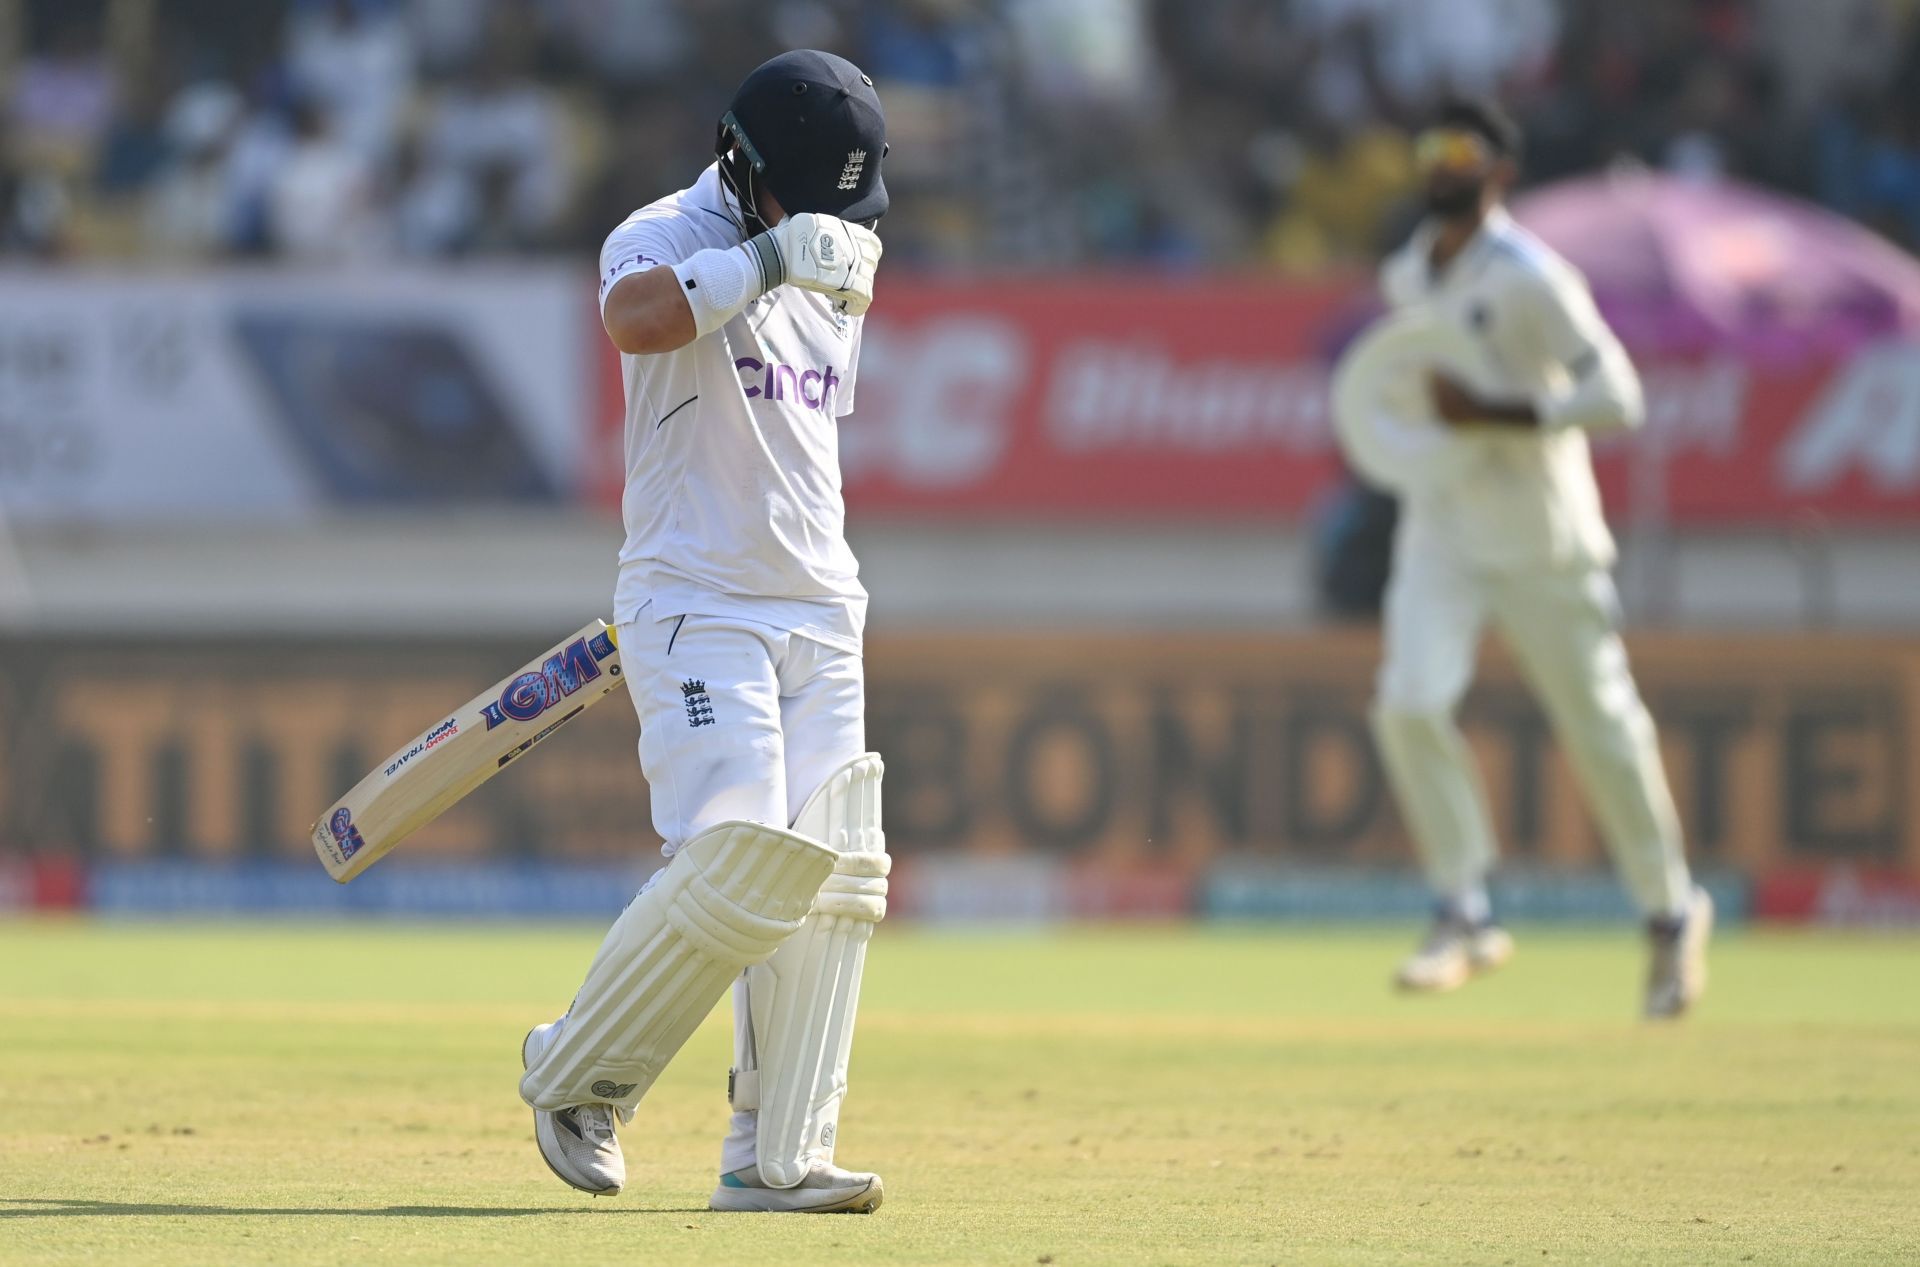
x,y
956,886
1145,760
432,739
466,890
1139,396
51,882
268,393
1192,748
1267,890
263,393
16,885
1846,896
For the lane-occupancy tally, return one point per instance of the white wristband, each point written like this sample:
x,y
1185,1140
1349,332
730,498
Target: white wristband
x,y
718,284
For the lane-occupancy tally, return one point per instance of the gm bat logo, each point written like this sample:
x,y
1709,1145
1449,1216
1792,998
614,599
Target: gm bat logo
x,y
345,834
533,693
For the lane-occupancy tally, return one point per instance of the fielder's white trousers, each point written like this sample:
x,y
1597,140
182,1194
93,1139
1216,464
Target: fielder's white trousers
x,y
738,720
1561,624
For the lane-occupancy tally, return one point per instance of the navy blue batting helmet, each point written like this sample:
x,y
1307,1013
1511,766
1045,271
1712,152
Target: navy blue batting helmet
x,y
808,126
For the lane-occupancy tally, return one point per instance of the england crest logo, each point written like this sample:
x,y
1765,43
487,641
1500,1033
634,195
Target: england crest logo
x,y
850,174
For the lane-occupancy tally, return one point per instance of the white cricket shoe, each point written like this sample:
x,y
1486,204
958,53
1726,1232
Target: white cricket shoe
x,y
1677,971
827,1189
1453,953
578,1144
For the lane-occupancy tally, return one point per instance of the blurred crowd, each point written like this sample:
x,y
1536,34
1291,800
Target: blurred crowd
x,y
1169,133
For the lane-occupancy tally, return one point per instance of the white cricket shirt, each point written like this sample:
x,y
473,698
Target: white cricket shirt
x,y
732,503
1521,496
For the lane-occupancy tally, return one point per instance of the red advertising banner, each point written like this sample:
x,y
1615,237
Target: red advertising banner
x,y
1849,896
1127,397
1748,442
1110,396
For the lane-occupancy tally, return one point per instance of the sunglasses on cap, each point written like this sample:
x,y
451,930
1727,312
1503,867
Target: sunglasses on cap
x,y
1451,149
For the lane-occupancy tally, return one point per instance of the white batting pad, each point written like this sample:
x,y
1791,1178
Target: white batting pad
x,y
727,900
793,1050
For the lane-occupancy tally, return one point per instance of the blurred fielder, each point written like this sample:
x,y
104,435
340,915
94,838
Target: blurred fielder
x,y
1516,534
737,306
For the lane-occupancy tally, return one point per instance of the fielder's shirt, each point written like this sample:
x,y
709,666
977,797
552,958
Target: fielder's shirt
x,y
732,504
1526,497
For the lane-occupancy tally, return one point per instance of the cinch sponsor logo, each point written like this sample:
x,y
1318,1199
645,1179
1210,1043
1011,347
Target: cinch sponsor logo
x,y
773,381
445,730
345,834
533,693
613,273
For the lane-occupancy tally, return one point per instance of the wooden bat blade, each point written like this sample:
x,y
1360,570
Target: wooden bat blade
x,y
476,741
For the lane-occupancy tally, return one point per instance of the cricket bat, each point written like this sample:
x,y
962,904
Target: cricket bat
x,y
422,780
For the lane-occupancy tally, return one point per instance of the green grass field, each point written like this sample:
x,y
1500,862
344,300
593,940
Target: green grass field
x,y
344,1093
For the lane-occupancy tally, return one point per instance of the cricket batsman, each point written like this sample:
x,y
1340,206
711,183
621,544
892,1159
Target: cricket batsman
x,y
737,306
1515,534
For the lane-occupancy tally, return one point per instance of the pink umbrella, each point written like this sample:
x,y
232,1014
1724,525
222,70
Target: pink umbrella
x,y
1684,265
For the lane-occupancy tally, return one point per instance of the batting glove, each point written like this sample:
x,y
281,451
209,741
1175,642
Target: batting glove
x,y
821,253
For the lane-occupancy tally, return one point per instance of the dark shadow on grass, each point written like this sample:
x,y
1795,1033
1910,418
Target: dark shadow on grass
x,y
80,1207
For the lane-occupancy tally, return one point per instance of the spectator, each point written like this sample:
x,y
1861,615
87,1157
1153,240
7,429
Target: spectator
x,y
320,201
626,42
63,99
1889,173
1172,132
492,162
353,59
1431,49
134,148
1089,56
191,211
1343,192
35,214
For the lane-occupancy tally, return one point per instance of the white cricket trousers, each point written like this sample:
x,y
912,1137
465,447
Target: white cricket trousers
x,y
1561,624
738,720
